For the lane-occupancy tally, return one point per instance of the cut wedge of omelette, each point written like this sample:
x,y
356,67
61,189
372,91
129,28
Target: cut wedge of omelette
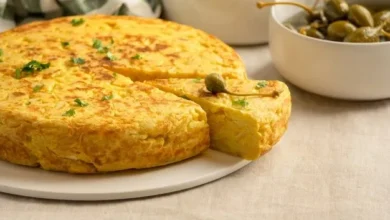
x,y
246,126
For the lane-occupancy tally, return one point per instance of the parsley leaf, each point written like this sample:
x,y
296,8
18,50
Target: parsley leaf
x,y
65,44
80,103
18,73
107,97
136,57
261,84
241,102
110,56
112,40
28,103
30,68
115,75
97,43
1,52
35,66
37,88
77,60
70,112
77,22
103,49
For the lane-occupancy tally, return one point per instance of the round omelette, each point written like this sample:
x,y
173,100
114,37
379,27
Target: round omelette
x,y
70,99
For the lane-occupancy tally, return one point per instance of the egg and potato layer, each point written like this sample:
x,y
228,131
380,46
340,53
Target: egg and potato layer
x,y
246,126
75,94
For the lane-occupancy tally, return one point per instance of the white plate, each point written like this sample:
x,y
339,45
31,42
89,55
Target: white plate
x,y
34,182
37,183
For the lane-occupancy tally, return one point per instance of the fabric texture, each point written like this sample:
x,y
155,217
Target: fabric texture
x,y
16,12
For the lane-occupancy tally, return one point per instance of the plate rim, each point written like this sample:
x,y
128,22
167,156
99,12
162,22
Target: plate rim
x,y
126,193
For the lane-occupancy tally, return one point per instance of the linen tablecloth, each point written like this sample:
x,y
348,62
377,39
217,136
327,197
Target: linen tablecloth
x,y
332,163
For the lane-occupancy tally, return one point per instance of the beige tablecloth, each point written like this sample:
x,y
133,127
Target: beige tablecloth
x,y
333,163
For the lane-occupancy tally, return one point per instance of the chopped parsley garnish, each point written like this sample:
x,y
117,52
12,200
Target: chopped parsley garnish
x,y
77,22
30,68
110,56
241,102
107,97
1,52
97,43
77,60
65,44
197,80
80,103
35,66
18,73
70,112
103,49
115,75
28,103
261,84
136,57
37,88
1,60
112,40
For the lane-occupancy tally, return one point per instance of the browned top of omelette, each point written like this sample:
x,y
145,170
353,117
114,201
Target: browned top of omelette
x,y
141,48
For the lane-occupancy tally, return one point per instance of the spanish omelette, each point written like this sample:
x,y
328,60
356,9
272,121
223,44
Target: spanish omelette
x,y
66,105
247,126
72,96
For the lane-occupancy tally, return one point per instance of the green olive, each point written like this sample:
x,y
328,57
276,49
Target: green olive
x,y
360,15
336,9
311,32
215,83
338,30
381,17
365,35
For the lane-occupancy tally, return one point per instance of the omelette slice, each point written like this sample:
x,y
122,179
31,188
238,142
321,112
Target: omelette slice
x,y
63,118
246,126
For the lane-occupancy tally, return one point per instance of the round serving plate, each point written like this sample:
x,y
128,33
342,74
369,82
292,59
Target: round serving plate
x,y
37,183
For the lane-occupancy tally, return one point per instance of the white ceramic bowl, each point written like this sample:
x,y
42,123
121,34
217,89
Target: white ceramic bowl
x,y
236,22
333,69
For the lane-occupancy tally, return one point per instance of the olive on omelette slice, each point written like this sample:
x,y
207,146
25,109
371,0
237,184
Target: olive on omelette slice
x,y
244,126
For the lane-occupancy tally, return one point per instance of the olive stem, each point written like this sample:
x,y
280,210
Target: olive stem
x,y
273,94
261,4
386,34
316,3
380,27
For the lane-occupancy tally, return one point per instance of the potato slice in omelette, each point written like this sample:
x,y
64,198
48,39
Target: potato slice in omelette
x,y
246,126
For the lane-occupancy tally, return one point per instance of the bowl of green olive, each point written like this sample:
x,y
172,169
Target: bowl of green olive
x,y
334,48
